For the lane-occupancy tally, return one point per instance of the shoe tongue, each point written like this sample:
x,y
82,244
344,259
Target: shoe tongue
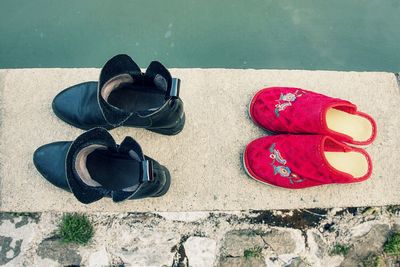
x,y
106,155
88,188
120,64
94,174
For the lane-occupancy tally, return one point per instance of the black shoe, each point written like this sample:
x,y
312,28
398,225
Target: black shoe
x,y
124,96
94,166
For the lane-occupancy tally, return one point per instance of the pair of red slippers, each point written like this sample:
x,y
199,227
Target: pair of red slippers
x,y
309,148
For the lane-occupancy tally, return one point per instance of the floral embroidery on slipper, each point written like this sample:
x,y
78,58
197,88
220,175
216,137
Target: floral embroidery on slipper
x,y
282,170
285,100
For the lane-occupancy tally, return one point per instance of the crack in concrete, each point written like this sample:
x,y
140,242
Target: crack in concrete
x,y
180,258
301,219
231,256
397,75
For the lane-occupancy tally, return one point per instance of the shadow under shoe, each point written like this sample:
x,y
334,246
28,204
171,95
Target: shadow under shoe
x,y
124,96
94,166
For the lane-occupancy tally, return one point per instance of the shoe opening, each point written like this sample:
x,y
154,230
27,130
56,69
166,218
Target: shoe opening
x,y
345,159
96,166
135,94
344,120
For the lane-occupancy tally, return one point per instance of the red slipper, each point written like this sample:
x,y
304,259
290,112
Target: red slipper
x,y
300,161
294,110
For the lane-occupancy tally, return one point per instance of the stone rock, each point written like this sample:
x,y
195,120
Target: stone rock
x,y
316,244
200,251
64,254
242,262
321,244
146,248
380,261
362,229
367,246
280,241
237,241
318,251
297,262
99,258
390,261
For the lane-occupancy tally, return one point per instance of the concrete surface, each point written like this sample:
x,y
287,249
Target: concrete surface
x,y
205,159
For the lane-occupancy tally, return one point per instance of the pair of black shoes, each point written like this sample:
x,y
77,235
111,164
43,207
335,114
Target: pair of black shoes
x,y
94,166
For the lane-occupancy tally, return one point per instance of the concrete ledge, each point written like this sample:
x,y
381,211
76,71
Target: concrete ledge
x,y
205,159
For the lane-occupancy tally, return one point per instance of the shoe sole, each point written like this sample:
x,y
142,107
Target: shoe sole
x,y
244,153
166,131
166,186
173,130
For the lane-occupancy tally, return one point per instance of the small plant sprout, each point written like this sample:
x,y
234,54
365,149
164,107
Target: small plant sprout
x,y
75,228
252,252
392,245
340,249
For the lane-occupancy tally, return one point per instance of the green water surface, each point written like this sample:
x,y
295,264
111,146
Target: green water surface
x,y
331,35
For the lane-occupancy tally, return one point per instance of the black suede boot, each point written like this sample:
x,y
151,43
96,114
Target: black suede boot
x,y
94,166
124,96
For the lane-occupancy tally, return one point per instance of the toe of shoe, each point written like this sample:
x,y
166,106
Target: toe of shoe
x,y
65,104
49,160
78,106
262,107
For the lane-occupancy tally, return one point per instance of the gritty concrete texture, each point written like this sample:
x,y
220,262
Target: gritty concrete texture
x,y
219,239
205,159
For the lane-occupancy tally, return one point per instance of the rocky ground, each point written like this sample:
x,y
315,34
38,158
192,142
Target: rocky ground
x,y
317,237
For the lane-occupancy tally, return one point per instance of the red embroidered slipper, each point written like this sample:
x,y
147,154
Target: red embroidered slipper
x,y
294,110
300,161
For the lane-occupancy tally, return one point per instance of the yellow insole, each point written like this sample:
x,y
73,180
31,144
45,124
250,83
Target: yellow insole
x,y
358,127
353,163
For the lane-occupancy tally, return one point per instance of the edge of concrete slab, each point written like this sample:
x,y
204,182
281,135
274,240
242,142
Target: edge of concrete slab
x,y
3,74
60,78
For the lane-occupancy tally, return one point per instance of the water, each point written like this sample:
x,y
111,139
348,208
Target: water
x,y
330,35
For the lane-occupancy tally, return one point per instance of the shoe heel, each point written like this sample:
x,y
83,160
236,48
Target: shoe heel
x,y
165,189
173,130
